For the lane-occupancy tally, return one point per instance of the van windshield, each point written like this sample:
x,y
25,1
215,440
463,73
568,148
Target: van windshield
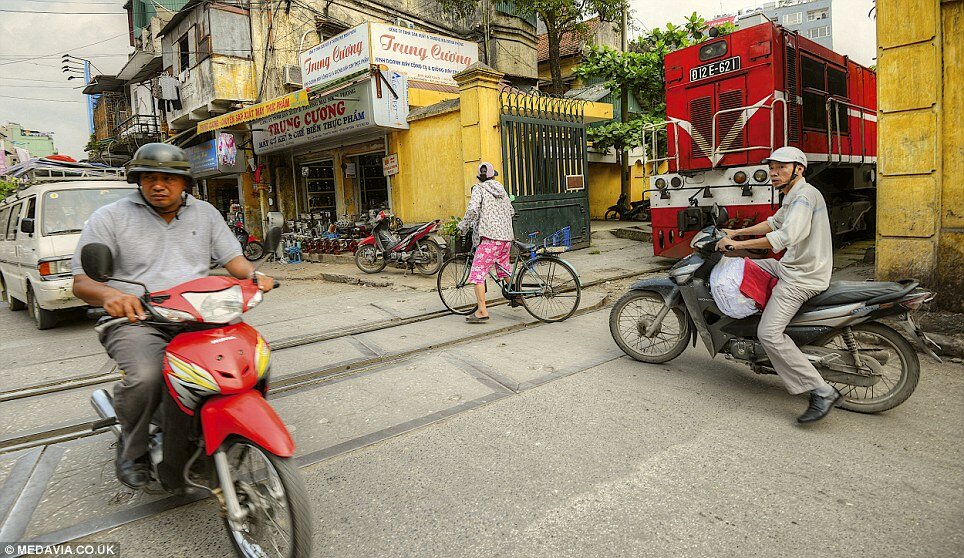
x,y
66,211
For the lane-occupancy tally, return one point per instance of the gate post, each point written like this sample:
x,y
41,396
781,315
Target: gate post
x,y
479,107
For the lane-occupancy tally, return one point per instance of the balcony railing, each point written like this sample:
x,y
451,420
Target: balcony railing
x,y
137,127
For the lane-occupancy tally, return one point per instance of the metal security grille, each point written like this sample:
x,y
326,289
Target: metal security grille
x,y
792,108
545,163
730,127
701,112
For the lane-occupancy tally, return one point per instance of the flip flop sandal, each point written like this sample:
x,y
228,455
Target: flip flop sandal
x,y
473,319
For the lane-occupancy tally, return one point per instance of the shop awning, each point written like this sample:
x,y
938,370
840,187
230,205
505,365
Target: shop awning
x,y
284,103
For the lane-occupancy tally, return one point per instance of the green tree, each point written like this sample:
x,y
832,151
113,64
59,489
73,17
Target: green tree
x,y
6,187
641,72
560,17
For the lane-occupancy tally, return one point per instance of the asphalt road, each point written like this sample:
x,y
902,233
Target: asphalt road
x,y
540,442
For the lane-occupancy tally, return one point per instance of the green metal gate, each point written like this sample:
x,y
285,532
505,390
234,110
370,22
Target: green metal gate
x,y
545,164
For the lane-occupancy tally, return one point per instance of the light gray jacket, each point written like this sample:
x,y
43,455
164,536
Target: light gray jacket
x,y
489,213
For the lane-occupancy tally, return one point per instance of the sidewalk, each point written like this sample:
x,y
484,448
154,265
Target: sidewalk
x,y
608,257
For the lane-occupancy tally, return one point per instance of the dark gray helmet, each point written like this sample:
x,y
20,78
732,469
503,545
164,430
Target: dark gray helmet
x,y
159,157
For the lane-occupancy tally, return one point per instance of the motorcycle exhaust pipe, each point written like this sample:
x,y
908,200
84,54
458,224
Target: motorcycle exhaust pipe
x,y
104,405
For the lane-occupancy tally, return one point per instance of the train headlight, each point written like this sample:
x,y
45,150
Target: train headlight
x,y
760,176
661,183
676,181
739,177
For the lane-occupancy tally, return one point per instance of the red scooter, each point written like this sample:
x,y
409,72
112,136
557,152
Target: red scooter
x,y
215,432
407,246
251,247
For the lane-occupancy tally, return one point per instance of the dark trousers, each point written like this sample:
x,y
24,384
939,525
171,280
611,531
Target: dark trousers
x,y
138,351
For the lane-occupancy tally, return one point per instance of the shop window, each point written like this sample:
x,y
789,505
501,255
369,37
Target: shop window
x,y
320,188
373,186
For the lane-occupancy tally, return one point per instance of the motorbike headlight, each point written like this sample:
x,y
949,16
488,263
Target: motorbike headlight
x,y
219,307
173,315
255,300
262,357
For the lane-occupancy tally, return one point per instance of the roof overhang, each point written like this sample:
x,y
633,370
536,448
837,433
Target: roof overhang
x,y
180,15
135,64
103,84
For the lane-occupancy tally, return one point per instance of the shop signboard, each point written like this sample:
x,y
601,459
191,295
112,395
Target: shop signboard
x,y
390,164
339,57
292,100
352,110
423,56
213,157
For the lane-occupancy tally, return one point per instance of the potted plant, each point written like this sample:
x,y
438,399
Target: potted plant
x,y
449,230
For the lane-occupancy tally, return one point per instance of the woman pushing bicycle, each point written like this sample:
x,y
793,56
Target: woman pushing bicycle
x,y
489,215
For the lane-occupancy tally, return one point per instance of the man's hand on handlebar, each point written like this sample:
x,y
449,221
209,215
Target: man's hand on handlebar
x,y
265,283
123,305
731,233
726,244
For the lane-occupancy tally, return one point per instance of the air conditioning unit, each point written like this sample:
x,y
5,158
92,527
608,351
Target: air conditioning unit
x,y
401,22
291,75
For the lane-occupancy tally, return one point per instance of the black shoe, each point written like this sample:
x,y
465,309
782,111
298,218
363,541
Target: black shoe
x,y
515,301
819,407
133,473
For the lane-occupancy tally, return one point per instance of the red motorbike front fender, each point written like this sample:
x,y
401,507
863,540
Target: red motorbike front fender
x,y
247,415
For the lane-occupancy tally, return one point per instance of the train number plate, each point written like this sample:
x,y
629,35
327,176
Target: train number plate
x,y
715,68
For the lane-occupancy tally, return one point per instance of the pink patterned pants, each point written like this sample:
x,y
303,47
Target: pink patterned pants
x,y
489,253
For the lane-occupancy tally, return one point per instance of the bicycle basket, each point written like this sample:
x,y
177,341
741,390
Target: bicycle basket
x,y
463,242
558,242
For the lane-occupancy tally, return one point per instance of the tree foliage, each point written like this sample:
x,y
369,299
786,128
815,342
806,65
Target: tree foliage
x,y
561,17
641,72
7,187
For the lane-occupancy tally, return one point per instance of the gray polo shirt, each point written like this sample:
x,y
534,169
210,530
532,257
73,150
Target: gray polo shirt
x,y
159,254
802,228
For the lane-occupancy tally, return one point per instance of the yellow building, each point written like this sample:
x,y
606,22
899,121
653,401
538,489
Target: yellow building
x,y
920,77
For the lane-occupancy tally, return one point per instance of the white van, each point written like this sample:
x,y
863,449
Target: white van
x,y
39,229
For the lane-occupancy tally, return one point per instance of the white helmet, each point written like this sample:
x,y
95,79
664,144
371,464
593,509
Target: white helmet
x,y
787,155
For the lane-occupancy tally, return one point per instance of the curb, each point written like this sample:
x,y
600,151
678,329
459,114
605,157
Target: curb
x,y
953,347
633,233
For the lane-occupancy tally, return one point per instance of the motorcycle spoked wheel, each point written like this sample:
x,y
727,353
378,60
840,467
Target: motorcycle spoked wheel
x,y
369,260
613,215
433,254
632,315
253,251
272,492
899,367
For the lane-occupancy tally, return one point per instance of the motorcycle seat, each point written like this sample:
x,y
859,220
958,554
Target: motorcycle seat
x,y
847,292
409,229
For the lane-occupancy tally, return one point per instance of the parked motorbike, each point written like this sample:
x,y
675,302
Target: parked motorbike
x,y
872,365
406,246
633,211
251,247
214,431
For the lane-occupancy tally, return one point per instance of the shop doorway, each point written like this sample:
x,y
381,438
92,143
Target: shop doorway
x,y
224,194
372,183
320,187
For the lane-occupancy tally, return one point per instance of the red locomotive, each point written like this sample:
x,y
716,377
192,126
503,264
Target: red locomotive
x,y
733,99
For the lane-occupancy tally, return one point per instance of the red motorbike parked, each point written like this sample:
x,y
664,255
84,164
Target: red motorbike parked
x,y
251,247
407,246
215,432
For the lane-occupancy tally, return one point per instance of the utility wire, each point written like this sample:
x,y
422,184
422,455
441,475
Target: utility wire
x,y
124,13
59,53
36,99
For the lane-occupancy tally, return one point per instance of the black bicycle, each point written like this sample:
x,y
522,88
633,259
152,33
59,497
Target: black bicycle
x,y
546,285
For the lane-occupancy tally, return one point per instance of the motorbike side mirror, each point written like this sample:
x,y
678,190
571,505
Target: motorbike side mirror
x,y
272,240
720,216
97,261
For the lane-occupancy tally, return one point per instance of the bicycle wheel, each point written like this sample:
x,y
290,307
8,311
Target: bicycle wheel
x,y
457,294
550,287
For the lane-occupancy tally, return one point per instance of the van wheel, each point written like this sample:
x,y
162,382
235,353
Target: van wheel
x,y
14,304
45,319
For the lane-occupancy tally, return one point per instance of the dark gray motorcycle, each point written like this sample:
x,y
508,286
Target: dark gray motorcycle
x,y
873,366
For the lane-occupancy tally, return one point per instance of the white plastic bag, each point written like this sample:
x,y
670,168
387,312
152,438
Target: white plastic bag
x,y
725,280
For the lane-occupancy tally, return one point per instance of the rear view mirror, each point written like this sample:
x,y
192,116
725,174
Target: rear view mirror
x,y
272,239
27,226
97,261
720,216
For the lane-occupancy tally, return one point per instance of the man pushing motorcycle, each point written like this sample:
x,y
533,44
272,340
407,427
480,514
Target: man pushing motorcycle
x,y
159,236
801,228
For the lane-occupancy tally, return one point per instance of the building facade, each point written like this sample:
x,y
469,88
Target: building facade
x,y
37,144
920,216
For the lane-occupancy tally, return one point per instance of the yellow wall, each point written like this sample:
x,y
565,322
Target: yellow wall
x,y
567,65
604,186
429,180
920,216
